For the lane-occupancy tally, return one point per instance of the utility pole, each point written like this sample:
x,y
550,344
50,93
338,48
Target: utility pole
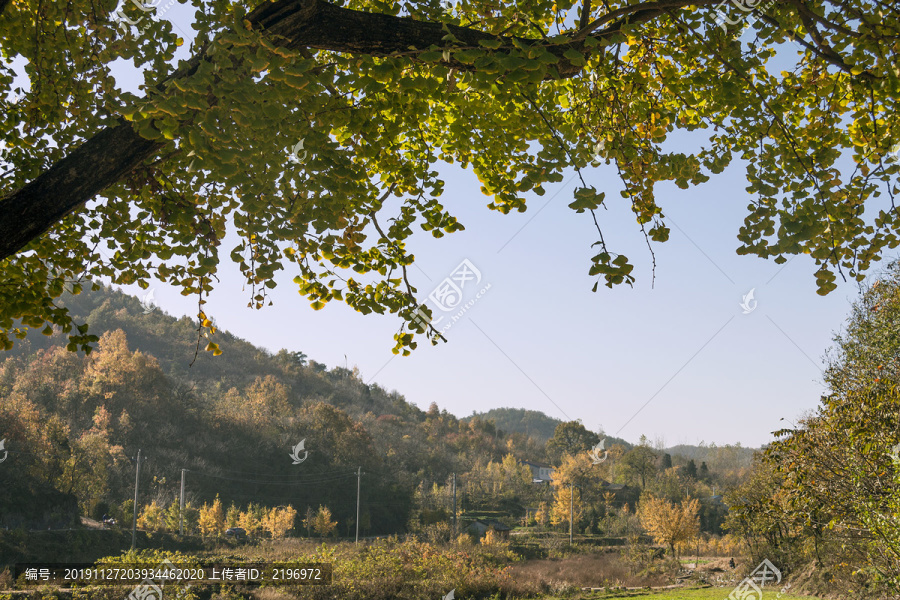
x,y
137,478
455,531
181,513
571,510
358,479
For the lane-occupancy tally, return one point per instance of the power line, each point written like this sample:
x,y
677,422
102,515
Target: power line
x,y
257,472
288,483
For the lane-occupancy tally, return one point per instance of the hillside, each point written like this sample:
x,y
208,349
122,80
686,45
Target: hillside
x,y
519,420
76,422
229,424
728,457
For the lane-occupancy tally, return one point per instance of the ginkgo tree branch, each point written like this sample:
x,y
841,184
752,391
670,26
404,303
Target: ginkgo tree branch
x,y
635,13
108,156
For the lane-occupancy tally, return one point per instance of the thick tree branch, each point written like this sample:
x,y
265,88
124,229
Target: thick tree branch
x,y
111,154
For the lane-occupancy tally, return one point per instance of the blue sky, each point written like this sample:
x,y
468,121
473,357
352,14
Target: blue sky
x,y
678,361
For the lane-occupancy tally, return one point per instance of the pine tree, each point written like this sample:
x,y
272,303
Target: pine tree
x,y
690,470
666,462
704,471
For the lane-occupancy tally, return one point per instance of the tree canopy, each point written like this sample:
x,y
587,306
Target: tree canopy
x,y
828,488
309,131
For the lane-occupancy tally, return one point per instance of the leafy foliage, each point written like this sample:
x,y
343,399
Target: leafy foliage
x,y
75,423
380,93
826,490
571,437
669,523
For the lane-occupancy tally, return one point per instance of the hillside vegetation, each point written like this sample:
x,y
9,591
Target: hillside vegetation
x,y
233,424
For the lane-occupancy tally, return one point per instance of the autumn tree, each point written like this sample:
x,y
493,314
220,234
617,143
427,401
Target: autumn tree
x,y
232,516
251,520
278,521
172,516
566,502
670,523
321,522
212,518
333,438
90,460
308,130
191,518
152,518
542,515
515,478
579,470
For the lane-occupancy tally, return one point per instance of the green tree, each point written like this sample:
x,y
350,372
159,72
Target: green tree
x,y
759,514
571,437
690,469
835,466
125,512
666,462
638,464
366,98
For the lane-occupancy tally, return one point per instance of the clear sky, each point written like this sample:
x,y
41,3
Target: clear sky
x,y
679,360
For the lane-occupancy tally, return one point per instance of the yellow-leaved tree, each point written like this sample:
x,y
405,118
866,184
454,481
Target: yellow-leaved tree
x,y
542,516
152,517
232,516
279,521
670,523
577,470
212,518
321,522
251,519
563,504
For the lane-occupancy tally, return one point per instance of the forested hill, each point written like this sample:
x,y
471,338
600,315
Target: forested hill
x,y
73,425
533,423
717,457
173,343
75,422
520,420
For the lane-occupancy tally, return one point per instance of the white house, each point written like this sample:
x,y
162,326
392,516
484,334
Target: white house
x,y
540,473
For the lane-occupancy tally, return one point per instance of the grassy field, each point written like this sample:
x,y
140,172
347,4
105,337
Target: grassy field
x,y
695,594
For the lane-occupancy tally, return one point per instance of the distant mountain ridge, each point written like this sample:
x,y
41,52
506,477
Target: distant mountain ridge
x,y
541,427
534,423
